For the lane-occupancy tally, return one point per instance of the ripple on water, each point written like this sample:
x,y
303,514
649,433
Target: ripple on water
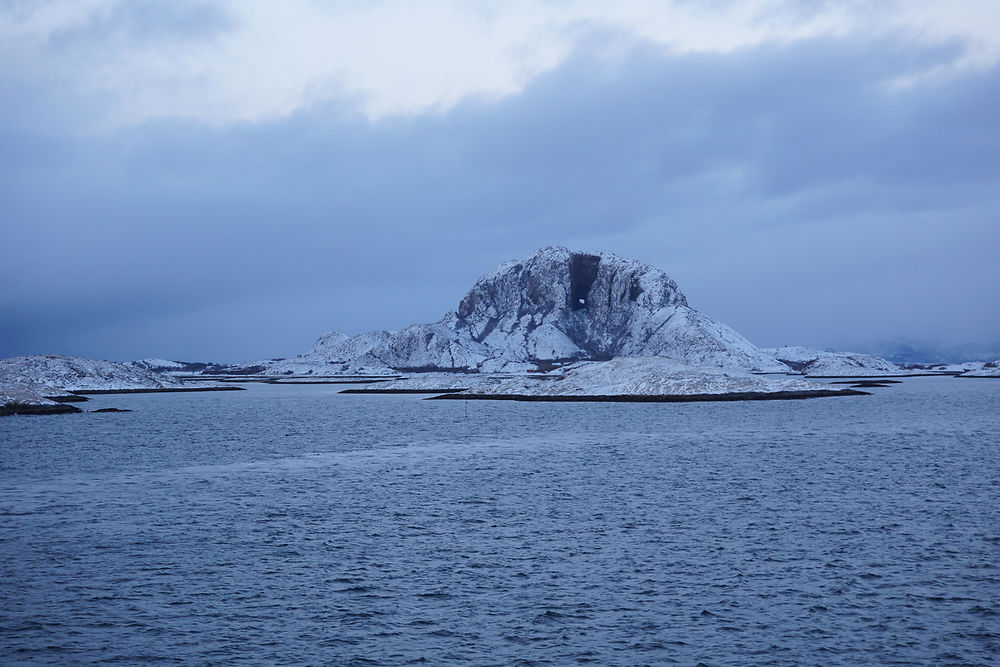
x,y
292,525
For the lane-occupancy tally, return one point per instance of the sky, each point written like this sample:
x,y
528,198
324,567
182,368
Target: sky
x,y
227,180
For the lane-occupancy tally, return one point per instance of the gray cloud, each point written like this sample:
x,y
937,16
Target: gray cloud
x,y
145,23
791,191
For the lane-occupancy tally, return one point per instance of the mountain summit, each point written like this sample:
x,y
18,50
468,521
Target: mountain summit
x,y
561,305
553,306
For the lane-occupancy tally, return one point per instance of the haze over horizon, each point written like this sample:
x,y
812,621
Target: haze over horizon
x,y
228,181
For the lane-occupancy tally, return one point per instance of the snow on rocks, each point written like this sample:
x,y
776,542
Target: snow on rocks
x,y
78,374
24,400
334,354
648,379
430,383
309,365
335,346
989,369
562,305
820,363
159,365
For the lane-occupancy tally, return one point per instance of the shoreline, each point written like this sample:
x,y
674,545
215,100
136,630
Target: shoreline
x,y
656,398
401,391
876,377
10,409
161,390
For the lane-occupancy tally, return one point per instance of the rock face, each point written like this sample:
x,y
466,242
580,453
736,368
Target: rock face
x,y
555,306
558,305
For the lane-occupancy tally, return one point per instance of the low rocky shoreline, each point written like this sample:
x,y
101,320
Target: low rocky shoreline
x,y
41,400
159,390
376,390
654,398
8,409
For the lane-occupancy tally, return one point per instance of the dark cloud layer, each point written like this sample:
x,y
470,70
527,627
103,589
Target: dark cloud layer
x,y
793,192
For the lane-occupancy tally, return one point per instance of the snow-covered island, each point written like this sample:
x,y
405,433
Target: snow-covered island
x,y
982,369
37,380
76,374
822,363
622,379
551,308
561,324
557,325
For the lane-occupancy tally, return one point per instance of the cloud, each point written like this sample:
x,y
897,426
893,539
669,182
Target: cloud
x,y
229,61
791,189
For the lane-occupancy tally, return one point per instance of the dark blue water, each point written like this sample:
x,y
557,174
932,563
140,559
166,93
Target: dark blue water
x,y
292,525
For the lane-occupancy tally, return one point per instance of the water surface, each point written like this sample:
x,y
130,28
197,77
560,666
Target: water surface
x,y
294,525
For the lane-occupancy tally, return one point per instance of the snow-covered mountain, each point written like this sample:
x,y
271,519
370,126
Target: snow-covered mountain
x,y
78,374
555,306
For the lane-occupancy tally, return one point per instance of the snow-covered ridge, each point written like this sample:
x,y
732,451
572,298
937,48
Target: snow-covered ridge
x,y
78,374
820,363
174,367
152,364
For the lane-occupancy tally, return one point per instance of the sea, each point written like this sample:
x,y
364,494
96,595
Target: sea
x,y
294,525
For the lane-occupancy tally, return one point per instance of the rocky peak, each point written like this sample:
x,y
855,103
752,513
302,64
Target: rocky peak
x,y
590,298
554,305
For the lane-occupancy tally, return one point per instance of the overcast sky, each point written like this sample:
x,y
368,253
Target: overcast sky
x,y
228,180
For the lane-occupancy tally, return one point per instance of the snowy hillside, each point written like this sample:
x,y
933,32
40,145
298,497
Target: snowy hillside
x,y
78,374
174,367
158,365
819,363
989,369
335,346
